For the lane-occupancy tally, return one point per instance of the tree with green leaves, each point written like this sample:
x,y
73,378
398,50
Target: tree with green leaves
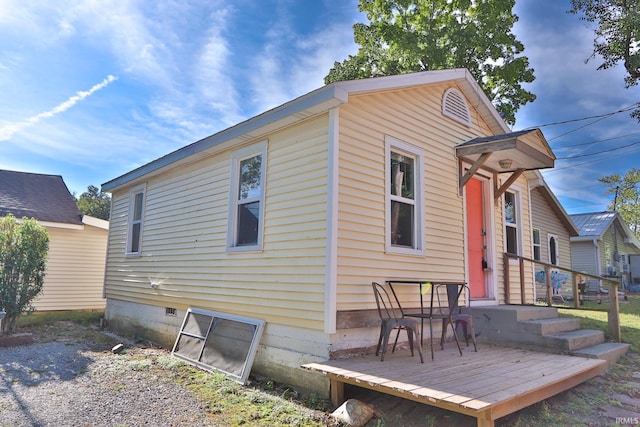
x,y
409,36
617,35
24,247
95,203
626,192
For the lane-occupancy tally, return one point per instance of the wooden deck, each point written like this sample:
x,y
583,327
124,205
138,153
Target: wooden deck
x,y
487,385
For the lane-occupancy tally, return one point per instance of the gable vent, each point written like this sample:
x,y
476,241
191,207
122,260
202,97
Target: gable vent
x,y
455,107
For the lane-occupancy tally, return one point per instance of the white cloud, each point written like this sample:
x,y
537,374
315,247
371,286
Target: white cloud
x,y
213,71
292,64
7,131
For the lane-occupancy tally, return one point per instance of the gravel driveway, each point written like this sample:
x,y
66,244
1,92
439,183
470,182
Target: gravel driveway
x,y
70,383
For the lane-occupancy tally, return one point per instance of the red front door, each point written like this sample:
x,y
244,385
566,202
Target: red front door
x,y
476,231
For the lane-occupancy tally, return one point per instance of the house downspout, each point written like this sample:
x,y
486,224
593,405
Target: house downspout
x,y
331,275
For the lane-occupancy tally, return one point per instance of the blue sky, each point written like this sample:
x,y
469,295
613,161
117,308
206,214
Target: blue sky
x,y
91,90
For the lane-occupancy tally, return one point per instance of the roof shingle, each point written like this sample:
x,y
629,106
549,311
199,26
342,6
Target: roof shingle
x,y
43,197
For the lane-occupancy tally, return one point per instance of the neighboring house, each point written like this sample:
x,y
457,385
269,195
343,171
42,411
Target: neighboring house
x,y
290,215
77,243
604,244
552,231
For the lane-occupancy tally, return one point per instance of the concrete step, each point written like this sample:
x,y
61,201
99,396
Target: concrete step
x,y
609,351
550,326
540,329
572,340
510,314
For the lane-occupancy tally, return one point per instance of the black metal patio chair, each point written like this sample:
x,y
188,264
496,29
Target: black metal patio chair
x,y
392,318
461,316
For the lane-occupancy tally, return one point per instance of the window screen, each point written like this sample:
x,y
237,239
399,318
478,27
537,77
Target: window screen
x,y
218,341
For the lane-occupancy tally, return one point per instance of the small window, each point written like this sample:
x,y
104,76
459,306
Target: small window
x,y
247,198
136,216
455,106
537,253
511,223
553,250
404,197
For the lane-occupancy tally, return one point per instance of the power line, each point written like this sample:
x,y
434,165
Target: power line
x,y
586,163
599,152
599,116
596,141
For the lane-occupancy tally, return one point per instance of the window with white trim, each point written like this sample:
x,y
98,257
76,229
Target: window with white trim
x,y
554,257
512,222
247,198
537,246
135,220
404,197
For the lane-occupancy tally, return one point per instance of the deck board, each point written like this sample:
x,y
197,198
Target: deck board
x,y
488,384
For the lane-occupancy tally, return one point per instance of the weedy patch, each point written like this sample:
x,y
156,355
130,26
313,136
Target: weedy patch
x,y
231,403
170,362
139,364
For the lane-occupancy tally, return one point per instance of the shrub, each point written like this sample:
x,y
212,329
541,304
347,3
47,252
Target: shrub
x,y
23,254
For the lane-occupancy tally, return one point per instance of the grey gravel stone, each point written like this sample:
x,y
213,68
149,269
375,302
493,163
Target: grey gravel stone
x,y
66,384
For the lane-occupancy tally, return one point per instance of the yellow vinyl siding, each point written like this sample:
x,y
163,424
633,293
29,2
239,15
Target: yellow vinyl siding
x,y
185,236
545,219
75,270
412,116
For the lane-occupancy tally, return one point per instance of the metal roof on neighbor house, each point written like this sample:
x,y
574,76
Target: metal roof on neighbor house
x,y
593,224
43,197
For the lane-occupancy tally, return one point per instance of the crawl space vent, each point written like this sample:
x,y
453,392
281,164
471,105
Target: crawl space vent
x,y
455,106
219,342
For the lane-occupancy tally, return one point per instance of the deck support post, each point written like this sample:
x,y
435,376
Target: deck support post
x,y
336,390
485,421
614,313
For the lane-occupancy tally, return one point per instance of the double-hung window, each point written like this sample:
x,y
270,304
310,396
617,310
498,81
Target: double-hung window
x,y
135,221
512,222
537,253
247,198
404,197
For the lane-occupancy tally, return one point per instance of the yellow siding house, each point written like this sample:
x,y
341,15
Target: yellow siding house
x,y
290,215
74,274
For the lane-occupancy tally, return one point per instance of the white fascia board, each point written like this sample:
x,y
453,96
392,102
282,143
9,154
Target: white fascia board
x,y
47,224
584,239
95,222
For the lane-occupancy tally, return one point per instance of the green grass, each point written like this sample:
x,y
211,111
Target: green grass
x,y
38,319
595,316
